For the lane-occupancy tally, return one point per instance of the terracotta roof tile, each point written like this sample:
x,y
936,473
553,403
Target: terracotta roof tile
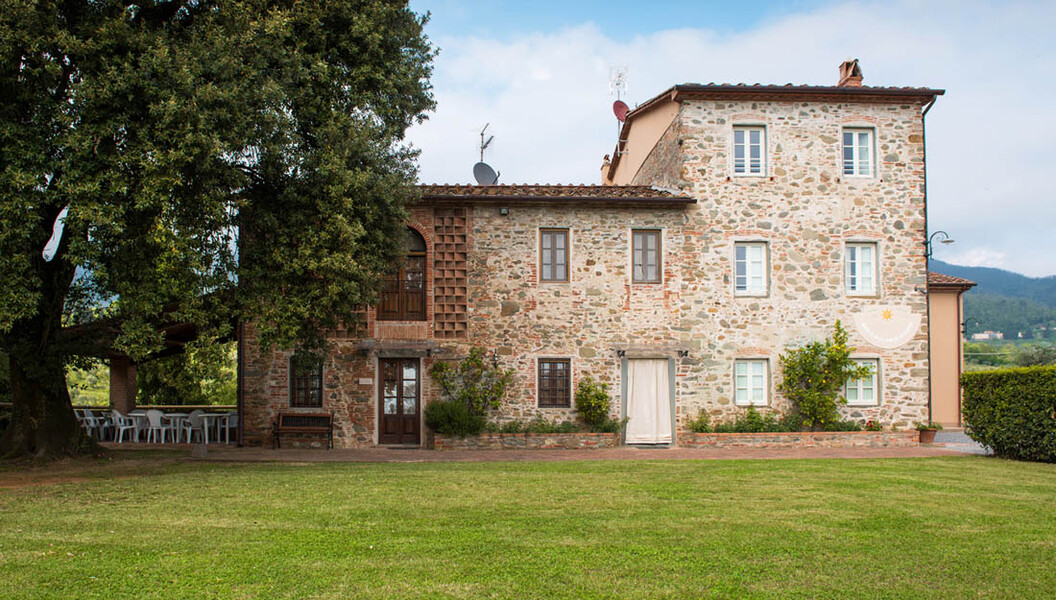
x,y
546,192
939,279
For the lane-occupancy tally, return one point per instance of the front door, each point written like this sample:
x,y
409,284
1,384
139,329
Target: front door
x,y
648,387
399,402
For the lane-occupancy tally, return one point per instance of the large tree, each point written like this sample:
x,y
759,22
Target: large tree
x,y
207,160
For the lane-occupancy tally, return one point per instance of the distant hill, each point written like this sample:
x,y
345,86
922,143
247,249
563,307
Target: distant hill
x,y
1006,301
999,282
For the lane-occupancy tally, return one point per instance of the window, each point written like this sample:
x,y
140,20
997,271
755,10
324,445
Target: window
x,y
861,269
863,392
553,255
750,382
306,383
403,292
555,383
858,152
749,146
646,255
750,269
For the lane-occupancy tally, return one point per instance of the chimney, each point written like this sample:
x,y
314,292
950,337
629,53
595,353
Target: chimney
x,y
605,166
850,74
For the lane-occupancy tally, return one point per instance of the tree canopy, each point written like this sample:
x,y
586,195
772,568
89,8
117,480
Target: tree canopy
x,y
211,160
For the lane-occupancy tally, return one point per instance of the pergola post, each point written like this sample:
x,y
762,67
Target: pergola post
x,y
122,384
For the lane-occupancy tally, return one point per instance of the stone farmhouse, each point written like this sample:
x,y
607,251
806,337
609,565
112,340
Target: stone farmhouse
x,y
732,222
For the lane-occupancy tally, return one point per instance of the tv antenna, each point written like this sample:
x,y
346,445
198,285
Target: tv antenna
x,y
618,87
482,171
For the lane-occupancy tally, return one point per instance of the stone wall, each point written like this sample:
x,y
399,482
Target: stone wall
x,y
806,439
527,441
805,210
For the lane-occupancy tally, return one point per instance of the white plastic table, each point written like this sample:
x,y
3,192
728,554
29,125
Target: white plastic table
x,y
175,421
209,421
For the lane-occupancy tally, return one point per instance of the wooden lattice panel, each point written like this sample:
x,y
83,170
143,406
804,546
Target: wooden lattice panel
x,y
449,273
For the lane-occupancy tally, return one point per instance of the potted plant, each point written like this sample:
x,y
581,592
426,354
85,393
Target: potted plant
x,y
927,432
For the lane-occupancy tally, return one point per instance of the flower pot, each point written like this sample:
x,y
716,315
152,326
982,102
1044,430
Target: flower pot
x,y
927,436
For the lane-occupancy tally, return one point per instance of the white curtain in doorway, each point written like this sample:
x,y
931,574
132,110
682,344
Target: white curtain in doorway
x,y
648,402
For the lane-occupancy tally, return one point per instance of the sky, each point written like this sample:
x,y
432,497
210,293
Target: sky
x,y
538,74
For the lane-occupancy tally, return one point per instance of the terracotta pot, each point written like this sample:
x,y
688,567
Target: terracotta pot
x,y
927,436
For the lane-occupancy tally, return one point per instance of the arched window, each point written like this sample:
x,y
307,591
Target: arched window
x,y
403,292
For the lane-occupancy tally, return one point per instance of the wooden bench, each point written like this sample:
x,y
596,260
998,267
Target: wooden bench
x,y
305,423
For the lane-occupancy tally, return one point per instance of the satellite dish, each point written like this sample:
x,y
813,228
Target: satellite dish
x,y
620,109
484,174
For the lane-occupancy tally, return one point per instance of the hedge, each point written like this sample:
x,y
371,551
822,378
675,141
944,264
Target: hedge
x,y
1013,411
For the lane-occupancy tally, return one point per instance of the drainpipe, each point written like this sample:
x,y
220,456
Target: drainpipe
x,y
239,378
927,258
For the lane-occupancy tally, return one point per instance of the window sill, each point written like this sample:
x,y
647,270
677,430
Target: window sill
x,y
754,295
872,295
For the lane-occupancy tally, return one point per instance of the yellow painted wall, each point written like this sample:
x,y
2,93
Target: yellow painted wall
x,y
946,356
645,132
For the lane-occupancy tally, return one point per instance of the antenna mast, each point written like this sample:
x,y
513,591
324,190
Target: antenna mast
x,y
484,144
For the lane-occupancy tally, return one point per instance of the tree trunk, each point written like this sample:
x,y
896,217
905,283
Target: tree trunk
x,y
42,420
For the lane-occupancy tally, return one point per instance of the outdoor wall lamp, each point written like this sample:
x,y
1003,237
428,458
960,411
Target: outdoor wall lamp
x,y
683,353
621,353
964,325
504,210
495,358
929,246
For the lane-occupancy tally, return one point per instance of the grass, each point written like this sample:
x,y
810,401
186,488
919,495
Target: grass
x,y
907,528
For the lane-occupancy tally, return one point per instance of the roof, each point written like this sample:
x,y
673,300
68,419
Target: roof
x,y
940,280
613,195
786,92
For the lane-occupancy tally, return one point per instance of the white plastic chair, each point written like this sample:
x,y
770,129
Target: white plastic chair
x,y
229,422
121,425
156,427
193,425
96,426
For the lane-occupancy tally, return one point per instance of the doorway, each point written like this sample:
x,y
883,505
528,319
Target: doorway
x,y
647,383
399,401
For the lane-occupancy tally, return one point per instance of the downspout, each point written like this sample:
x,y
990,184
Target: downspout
x,y
239,378
927,247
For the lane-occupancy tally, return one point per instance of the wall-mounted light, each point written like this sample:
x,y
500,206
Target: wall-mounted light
x,y
922,290
495,358
964,325
929,246
504,210
621,353
683,353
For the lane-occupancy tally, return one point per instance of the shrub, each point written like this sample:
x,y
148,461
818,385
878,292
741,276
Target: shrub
x,y
814,375
593,404
474,383
452,418
1013,411
752,422
537,425
872,425
701,424
592,401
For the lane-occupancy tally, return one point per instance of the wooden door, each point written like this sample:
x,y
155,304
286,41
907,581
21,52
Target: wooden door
x,y
399,401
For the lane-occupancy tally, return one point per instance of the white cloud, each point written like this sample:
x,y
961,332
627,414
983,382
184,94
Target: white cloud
x,y
546,98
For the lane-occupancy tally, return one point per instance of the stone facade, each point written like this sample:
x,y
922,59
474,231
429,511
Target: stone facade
x,y
484,288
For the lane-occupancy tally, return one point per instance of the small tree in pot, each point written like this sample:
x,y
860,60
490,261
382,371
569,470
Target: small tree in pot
x,y
815,374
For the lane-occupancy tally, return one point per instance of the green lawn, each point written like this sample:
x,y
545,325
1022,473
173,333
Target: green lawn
x,y
913,528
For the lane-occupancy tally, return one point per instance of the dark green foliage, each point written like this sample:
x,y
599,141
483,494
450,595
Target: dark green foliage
x,y
814,376
701,424
220,159
202,375
452,418
1013,411
5,379
475,382
752,422
993,281
1035,355
593,404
